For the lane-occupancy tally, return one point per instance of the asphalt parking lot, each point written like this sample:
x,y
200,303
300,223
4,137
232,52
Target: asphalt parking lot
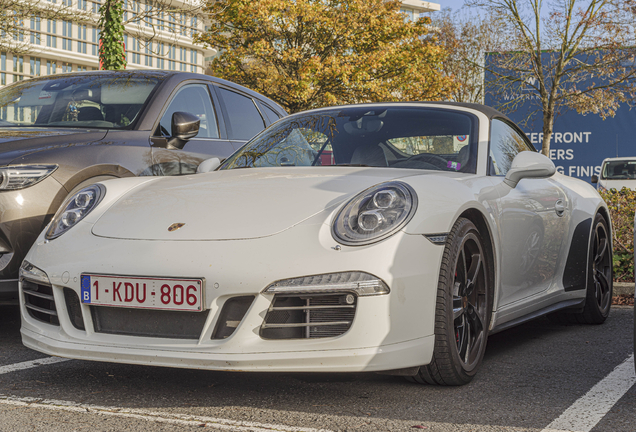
x,y
535,377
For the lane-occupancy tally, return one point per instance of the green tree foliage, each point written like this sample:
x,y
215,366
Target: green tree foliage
x,y
112,54
622,204
311,53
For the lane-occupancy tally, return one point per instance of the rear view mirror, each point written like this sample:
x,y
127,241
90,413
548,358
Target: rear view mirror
x,y
594,179
528,164
184,127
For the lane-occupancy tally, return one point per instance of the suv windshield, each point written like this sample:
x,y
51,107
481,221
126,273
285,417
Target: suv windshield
x,y
619,170
378,136
92,100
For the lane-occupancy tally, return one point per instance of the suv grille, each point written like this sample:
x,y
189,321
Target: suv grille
x,y
309,316
39,301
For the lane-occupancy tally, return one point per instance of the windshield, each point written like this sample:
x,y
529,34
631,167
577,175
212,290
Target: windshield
x,y
385,136
101,101
619,170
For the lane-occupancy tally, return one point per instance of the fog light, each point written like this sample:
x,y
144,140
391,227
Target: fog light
x,y
363,284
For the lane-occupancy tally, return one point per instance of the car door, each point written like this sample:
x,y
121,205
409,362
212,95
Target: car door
x,y
533,220
211,141
243,119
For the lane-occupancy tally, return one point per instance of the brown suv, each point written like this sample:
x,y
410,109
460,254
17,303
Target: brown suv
x,y
61,133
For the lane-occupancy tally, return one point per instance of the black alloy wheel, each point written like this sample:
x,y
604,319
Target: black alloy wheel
x,y
464,304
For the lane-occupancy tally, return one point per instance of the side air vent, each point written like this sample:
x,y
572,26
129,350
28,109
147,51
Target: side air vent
x,y
309,316
39,301
231,316
74,308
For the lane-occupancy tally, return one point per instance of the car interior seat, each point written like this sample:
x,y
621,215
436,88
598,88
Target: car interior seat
x,y
89,113
369,154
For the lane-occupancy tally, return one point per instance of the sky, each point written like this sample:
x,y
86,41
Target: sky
x,y
454,4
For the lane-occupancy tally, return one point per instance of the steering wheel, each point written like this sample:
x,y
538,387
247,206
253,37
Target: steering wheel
x,y
432,159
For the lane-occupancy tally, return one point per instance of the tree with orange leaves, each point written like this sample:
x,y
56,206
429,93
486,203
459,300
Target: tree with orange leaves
x,y
311,53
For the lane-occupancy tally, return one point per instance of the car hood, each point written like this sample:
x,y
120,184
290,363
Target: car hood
x,y
618,184
235,204
16,142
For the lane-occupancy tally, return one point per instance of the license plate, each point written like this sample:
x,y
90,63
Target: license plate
x,y
142,292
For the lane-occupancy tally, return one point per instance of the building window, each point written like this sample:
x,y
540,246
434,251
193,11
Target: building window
x,y
172,55
67,30
3,68
134,51
66,67
193,60
51,39
51,67
35,66
96,5
35,30
81,4
18,66
148,52
193,24
160,60
81,68
19,35
148,18
81,34
95,40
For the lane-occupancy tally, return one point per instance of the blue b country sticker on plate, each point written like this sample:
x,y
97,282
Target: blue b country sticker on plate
x,y
86,289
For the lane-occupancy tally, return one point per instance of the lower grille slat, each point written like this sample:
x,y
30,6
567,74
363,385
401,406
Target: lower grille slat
x,y
41,310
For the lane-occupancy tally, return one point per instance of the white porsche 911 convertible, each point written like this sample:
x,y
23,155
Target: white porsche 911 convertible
x,y
380,237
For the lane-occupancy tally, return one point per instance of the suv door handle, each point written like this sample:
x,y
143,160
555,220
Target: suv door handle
x,y
559,207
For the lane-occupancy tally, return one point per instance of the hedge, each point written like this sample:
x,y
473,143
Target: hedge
x,y
621,204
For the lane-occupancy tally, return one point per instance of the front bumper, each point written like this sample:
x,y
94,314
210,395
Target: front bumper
x,y
390,331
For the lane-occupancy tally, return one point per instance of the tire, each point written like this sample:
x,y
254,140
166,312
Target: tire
x,y
463,308
600,285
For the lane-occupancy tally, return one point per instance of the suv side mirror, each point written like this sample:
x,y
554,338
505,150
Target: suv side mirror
x,y
594,179
208,165
528,164
184,127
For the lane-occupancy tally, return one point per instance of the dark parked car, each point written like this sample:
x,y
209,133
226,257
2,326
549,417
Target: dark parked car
x,y
61,133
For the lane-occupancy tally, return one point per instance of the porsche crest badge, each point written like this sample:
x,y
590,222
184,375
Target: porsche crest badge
x,y
175,226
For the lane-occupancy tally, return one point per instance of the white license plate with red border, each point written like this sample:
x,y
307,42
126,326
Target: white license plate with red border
x,y
183,294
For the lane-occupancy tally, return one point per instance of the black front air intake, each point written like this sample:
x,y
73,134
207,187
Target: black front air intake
x,y
308,316
39,301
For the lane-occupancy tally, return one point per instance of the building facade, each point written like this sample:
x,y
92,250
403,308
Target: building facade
x,y
157,37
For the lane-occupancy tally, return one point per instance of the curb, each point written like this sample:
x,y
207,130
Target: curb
x,y
623,288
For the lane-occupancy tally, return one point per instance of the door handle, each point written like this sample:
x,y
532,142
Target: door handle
x,y
559,207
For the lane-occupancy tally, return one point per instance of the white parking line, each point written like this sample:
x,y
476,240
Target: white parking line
x,y
588,410
161,417
31,364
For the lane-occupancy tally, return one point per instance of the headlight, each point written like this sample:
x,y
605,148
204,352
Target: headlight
x,y
75,209
375,214
22,176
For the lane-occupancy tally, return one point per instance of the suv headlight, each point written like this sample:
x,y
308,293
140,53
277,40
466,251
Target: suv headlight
x,y
375,214
22,176
75,209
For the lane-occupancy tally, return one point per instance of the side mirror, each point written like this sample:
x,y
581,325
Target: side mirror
x,y
529,165
208,165
184,127
594,179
